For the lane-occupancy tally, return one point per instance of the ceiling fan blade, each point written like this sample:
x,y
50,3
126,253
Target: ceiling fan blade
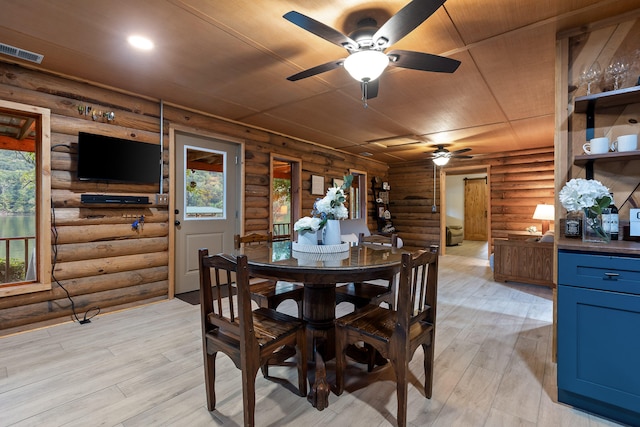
x,y
462,157
372,88
460,151
422,61
320,30
405,21
316,70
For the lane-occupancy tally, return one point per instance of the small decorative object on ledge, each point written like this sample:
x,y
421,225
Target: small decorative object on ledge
x,y
573,225
592,198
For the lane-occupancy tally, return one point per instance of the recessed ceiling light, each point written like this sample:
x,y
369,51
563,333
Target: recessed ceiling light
x,y
140,42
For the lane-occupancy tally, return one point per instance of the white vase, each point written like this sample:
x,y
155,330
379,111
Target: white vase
x,y
308,237
331,232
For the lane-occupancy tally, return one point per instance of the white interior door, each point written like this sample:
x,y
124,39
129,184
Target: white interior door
x,y
207,202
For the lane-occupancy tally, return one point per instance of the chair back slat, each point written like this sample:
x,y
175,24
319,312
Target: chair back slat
x,y
417,286
247,239
217,298
379,239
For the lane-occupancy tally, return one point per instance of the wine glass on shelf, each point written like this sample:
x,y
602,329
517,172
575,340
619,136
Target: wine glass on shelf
x,y
616,72
590,75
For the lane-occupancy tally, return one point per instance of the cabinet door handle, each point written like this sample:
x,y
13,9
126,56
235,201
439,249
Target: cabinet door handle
x,y
611,276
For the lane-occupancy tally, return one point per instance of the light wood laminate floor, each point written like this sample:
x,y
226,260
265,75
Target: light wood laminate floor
x,y
143,367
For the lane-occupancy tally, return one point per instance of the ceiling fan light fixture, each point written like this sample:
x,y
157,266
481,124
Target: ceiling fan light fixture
x,y
441,160
366,65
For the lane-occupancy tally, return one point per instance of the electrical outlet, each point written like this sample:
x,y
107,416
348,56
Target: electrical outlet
x,y
162,199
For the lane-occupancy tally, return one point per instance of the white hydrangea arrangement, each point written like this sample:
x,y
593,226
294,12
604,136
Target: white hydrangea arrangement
x,y
307,223
579,194
330,206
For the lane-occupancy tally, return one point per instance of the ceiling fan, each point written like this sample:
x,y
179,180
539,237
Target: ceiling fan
x,y
366,46
441,155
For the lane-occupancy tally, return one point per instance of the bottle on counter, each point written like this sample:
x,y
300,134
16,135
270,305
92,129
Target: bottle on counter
x,y
610,220
613,219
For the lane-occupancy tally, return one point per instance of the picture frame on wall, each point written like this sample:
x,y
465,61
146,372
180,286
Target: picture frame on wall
x,y
317,184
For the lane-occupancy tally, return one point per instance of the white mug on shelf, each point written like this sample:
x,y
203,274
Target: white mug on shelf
x,y
597,146
626,143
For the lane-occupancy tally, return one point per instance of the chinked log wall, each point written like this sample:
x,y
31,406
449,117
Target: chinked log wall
x,y
519,181
99,258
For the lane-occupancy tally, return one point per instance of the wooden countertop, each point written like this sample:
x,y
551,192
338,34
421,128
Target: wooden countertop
x,y
622,247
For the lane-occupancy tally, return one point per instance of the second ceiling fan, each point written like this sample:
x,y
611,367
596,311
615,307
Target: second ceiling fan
x,y
367,44
441,155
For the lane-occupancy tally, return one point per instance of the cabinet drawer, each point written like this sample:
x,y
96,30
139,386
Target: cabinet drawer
x,y
604,272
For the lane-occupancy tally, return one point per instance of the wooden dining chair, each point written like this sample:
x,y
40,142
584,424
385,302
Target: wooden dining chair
x,y
265,292
361,294
249,338
396,334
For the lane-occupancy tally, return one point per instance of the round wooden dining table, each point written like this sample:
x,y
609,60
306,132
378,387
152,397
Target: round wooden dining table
x,y
320,273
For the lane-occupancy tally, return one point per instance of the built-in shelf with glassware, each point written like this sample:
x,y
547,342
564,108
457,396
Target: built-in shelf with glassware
x,y
602,103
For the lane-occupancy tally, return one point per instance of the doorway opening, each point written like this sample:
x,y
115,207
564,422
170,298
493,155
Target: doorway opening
x,y
466,202
358,195
286,204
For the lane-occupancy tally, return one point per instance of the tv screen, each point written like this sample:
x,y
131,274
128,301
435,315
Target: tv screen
x,y
104,158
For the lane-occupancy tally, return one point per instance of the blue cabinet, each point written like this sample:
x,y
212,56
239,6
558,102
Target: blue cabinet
x,y
598,306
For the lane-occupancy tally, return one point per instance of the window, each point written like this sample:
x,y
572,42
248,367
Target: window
x,y
25,189
204,184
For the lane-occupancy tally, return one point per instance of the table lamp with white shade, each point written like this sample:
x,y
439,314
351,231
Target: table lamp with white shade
x,y
544,213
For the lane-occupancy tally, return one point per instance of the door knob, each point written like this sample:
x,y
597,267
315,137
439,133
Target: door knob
x,y
176,222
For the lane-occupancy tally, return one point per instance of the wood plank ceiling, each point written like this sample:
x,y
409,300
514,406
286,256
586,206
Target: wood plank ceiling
x,y
231,59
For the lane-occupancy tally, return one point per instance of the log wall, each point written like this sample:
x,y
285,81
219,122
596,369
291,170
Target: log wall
x,y
102,262
519,180
98,258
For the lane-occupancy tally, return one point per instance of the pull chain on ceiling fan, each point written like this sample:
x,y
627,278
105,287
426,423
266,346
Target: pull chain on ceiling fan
x,y
366,45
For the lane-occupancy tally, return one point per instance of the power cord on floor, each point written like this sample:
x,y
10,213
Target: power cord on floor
x,y
54,231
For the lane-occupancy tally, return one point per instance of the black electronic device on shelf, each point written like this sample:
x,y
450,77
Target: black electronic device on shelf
x,y
109,198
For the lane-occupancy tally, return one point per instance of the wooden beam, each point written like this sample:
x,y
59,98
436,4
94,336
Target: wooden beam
x,y
9,143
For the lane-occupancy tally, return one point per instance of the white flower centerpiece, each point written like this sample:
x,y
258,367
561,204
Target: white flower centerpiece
x,y
591,197
330,209
324,218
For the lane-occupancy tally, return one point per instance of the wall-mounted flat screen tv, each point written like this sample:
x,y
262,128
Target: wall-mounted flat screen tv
x,y
104,158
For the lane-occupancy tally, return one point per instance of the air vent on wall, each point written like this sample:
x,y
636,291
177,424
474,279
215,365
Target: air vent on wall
x,y
21,53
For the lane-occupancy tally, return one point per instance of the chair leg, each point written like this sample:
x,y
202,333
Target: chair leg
x,y
300,312
249,394
341,361
401,367
301,358
371,357
210,379
428,368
